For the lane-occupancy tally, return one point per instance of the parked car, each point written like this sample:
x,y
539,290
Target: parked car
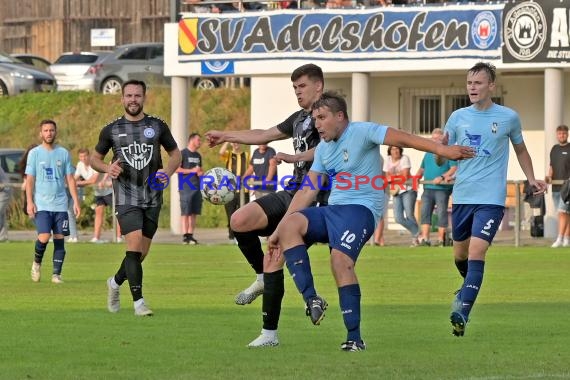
x,y
9,159
34,60
143,61
17,77
75,70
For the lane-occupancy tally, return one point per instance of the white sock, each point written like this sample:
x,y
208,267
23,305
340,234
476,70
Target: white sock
x,y
139,302
113,283
260,277
566,239
269,333
559,238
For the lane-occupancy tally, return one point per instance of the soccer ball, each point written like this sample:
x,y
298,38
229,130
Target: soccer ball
x,y
218,186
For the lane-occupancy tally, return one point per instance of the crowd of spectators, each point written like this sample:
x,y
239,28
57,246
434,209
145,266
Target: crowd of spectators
x,y
216,6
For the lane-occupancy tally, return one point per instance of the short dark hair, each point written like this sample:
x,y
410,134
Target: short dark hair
x,y
47,121
333,101
394,146
192,135
312,71
135,82
489,68
562,128
83,150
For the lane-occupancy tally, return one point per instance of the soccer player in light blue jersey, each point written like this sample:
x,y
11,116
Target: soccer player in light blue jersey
x,y
49,175
476,215
346,150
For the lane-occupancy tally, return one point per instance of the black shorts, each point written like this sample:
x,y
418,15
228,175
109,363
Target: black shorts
x,y
104,200
191,202
275,206
133,218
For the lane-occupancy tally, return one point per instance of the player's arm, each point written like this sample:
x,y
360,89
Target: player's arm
x,y
526,165
174,160
408,140
549,174
30,184
306,195
248,137
86,182
308,155
72,187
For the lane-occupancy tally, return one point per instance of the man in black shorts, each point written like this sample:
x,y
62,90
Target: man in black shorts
x,y
138,180
190,196
259,218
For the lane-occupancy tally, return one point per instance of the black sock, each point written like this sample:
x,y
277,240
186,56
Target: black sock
x,y
461,267
273,292
121,275
133,267
250,246
40,249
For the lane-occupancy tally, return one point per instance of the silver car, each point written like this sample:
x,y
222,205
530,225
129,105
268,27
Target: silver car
x,y
16,77
142,61
76,70
9,160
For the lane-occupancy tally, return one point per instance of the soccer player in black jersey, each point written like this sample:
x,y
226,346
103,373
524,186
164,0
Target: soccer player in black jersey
x,y
260,217
137,172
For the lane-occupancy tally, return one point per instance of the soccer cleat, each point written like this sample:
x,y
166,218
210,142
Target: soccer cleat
x,y
113,298
248,295
557,244
143,311
458,323
315,309
185,239
192,241
36,272
56,279
353,346
264,340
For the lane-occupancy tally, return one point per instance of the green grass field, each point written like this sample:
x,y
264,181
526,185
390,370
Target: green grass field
x,y
519,327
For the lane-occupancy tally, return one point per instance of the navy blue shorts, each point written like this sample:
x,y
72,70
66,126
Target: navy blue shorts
x,y
344,227
52,221
191,202
481,221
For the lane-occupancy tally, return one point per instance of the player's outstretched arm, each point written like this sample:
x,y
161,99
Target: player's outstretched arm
x,y
408,140
526,165
248,137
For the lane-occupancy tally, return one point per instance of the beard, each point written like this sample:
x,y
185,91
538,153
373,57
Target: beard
x,y
137,110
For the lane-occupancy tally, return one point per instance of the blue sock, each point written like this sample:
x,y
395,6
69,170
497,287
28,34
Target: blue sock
x,y
58,255
349,299
299,266
40,250
471,285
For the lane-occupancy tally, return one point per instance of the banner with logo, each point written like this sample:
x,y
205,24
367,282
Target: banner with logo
x,y
350,35
536,31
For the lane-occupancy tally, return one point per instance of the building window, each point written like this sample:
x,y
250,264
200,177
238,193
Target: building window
x,y
424,109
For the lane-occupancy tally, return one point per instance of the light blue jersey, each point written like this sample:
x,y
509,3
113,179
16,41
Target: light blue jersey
x,y
49,167
483,179
355,153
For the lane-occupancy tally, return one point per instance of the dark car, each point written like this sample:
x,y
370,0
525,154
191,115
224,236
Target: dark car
x,y
143,61
33,60
9,159
17,77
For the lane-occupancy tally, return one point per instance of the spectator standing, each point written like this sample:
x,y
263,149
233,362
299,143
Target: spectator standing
x,y
403,199
264,167
236,162
559,169
5,196
439,171
190,196
48,173
84,176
